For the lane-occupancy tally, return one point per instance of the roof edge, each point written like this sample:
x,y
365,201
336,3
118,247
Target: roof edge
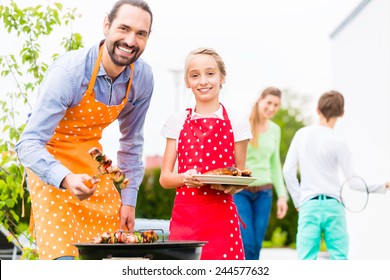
x,y
349,18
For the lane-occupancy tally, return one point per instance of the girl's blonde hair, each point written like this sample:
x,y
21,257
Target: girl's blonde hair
x,y
208,51
254,117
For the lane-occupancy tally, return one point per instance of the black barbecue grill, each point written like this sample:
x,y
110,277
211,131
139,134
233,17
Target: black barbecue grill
x,y
158,250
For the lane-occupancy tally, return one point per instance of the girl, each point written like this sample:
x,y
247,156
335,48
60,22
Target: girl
x,y
254,204
202,139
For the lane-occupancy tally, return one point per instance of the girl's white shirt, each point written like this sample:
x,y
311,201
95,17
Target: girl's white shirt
x,y
174,124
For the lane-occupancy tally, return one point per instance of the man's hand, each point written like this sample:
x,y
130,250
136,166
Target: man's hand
x,y
75,184
127,218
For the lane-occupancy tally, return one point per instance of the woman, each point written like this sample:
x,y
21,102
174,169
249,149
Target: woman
x,y
254,203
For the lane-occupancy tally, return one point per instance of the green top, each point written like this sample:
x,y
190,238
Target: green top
x,y
264,161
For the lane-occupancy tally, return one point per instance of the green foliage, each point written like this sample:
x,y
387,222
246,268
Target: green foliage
x,y
29,254
279,237
290,118
14,199
288,224
289,124
154,202
24,69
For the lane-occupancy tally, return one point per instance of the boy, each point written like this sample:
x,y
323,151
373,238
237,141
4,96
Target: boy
x,y
319,154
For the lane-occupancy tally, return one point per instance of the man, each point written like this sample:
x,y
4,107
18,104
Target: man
x,y
82,93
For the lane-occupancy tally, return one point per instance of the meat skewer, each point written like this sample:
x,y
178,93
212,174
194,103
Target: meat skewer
x,y
120,236
106,167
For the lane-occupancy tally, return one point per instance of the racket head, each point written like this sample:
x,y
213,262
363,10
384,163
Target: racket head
x,y
354,194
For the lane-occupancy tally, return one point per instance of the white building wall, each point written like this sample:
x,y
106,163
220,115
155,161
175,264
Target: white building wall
x,y
361,67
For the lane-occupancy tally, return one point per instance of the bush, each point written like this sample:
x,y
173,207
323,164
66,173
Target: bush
x,y
154,202
288,225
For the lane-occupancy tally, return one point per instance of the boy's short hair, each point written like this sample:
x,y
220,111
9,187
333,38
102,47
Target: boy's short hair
x,y
331,104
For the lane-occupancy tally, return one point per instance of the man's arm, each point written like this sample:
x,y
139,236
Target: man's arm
x,y
131,124
54,96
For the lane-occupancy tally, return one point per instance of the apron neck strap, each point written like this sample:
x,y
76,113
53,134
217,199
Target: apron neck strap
x,y
225,114
130,79
96,71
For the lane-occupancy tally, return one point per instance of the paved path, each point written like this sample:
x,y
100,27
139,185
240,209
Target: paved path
x,y
285,254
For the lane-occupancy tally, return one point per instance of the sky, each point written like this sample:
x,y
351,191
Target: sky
x,y
283,43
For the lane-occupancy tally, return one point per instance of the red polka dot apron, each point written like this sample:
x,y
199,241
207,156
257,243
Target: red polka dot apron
x,y
204,214
59,218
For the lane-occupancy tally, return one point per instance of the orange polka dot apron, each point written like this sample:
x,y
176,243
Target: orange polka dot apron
x,y
204,214
59,218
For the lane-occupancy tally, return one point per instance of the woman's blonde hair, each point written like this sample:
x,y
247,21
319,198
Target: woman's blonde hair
x,y
254,117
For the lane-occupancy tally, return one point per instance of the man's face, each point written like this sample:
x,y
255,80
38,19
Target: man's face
x,y
127,35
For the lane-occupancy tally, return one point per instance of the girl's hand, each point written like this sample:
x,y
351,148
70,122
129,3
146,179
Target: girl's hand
x,y
190,180
228,189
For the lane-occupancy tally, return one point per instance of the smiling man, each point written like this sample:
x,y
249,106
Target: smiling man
x,y
82,93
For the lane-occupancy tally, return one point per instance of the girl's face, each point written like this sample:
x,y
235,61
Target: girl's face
x,y
203,77
268,106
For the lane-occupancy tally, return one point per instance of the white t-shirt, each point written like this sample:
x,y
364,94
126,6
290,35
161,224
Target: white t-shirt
x,y
174,124
320,156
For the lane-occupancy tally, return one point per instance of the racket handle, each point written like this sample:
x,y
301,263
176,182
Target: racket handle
x,y
90,182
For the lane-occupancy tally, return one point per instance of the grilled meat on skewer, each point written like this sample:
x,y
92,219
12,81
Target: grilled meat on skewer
x,y
119,236
106,167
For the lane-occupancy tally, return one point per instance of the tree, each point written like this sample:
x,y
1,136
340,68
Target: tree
x,y
25,69
156,201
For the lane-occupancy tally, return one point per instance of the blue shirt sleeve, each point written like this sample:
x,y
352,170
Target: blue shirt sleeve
x,y
48,111
131,123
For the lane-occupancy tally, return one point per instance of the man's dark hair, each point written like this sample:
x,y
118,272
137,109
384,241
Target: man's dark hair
x,y
136,3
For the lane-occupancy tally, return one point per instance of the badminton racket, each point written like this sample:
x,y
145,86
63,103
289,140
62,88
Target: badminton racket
x,y
354,194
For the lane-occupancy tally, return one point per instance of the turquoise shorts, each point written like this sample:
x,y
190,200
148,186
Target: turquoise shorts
x,y
322,217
